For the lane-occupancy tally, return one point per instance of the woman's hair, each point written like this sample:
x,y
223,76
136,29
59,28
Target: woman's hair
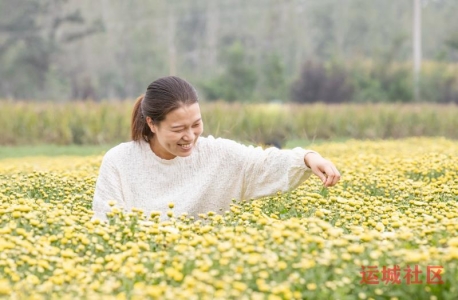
x,y
162,96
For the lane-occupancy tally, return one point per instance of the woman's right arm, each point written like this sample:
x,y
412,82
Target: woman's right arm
x,y
108,188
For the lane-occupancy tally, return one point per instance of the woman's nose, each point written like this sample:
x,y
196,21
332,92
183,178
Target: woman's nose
x,y
188,136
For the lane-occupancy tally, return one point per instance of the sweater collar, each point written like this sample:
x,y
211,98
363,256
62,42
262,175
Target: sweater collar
x,y
176,160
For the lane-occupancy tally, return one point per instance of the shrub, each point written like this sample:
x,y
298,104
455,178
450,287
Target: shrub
x,y
365,81
318,83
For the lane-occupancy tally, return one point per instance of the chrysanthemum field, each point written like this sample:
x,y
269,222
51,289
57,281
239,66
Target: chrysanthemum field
x,y
388,230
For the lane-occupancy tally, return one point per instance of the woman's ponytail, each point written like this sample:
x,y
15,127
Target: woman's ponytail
x,y
139,127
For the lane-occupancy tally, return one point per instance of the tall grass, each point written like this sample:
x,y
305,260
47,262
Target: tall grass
x,y
90,123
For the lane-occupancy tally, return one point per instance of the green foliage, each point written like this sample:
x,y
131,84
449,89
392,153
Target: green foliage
x,y
53,150
89,123
238,80
273,86
439,82
381,83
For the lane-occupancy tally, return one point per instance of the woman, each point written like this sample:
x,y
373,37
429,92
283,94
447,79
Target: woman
x,y
168,161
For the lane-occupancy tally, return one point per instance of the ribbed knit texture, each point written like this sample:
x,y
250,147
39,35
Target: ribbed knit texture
x,y
217,171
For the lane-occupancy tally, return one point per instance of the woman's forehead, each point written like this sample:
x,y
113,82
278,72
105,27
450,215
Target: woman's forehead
x,y
183,115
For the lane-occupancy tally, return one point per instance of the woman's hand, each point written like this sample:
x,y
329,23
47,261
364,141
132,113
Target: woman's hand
x,y
322,168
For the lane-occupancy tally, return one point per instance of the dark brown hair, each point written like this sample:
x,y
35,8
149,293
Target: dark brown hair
x,y
162,96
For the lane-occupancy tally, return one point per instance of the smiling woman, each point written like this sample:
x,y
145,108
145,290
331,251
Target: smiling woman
x,y
168,117
168,161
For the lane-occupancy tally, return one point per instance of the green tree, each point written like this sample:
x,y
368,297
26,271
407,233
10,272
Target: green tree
x,y
238,80
273,86
32,34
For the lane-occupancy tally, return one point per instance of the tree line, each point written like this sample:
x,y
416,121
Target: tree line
x,y
233,50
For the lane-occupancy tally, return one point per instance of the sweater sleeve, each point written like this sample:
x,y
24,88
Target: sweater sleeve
x,y
265,172
108,188
271,170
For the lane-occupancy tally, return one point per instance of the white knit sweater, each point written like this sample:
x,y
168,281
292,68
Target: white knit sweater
x,y
217,171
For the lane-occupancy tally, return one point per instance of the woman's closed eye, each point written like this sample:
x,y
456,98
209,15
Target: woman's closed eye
x,y
181,130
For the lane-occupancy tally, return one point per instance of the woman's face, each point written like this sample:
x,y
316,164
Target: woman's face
x,y
178,133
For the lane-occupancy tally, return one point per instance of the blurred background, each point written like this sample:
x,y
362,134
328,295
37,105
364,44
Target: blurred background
x,y
233,51
258,50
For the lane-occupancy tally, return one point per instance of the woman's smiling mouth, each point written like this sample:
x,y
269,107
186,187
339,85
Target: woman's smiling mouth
x,y
185,146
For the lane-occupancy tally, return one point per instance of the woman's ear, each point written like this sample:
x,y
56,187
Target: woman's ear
x,y
150,123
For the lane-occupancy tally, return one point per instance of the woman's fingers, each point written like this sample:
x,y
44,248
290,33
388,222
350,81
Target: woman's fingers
x,y
332,175
337,178
321,175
